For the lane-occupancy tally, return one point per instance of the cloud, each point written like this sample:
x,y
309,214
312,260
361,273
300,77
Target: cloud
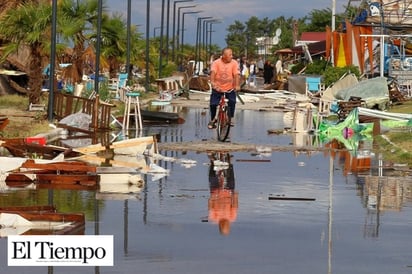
x,y
226,10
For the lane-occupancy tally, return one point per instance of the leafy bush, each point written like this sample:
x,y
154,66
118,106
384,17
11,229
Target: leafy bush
x,y
296,68
332,74
323,68
318,67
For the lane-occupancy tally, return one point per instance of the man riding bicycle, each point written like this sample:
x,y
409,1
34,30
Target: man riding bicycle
x,y
224,77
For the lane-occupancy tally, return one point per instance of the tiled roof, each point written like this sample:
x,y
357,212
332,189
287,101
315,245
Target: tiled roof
x,y
313,36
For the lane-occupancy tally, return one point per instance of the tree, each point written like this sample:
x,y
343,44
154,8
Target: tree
x,y
319,19
75,22
235,37
28,26
243,37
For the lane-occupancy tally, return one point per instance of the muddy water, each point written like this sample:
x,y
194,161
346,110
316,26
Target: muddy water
x,y
295,212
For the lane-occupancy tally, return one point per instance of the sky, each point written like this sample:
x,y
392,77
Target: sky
x,y
227,11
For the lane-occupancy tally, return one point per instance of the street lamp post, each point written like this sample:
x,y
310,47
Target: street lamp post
x,y
210,33
198,40
167,22
174,26
52,60
178,26
161,39
128,45
147,82
183,31
206,24
154,31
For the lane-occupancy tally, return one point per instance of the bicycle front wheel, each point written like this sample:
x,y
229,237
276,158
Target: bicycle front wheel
x,y
223,124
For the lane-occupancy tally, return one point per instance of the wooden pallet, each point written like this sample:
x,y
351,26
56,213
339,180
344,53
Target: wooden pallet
x,y
345,107
67,175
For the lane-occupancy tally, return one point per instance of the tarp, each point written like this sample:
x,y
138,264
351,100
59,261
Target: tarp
x,y
347,81
373,91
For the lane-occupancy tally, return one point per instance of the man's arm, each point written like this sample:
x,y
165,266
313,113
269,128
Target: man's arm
x,y
212,79
237,82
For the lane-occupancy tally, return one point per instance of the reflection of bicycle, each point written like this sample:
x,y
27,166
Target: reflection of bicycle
x,y
223,200
223,118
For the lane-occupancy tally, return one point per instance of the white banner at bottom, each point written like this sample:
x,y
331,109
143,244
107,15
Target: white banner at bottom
x,y
60,250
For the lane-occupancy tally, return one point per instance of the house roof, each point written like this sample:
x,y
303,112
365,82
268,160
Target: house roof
x,y
313,36
314,48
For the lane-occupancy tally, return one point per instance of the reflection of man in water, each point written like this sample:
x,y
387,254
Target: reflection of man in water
x,y
223,201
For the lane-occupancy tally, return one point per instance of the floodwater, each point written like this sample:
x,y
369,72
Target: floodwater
x,y
288,212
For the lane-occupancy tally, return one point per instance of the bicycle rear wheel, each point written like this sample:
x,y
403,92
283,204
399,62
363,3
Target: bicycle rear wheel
x,y
223,124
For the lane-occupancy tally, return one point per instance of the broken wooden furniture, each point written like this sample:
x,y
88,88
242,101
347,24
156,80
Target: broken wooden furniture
x,y
345,107
34,147
133,146
66,104
39,220
62,175
169,83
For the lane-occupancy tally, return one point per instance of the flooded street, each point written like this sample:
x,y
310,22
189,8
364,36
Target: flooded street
x,y
286,212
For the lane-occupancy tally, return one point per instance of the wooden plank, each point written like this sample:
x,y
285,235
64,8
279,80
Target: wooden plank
x,y
132,142
290,198
94,159
67,186
120,144
35,208
85,179
60,166
90,149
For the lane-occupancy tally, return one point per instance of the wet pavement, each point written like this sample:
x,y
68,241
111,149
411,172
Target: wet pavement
x,y
289,212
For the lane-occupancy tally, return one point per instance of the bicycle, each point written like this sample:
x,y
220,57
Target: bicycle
x,y
223,118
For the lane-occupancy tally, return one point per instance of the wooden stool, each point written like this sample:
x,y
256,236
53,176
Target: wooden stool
x,y
132,100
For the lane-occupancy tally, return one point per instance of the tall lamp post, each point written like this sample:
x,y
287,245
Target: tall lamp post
x,y
147,82
206,24
183,31
178,29
168,20
210,33
174,27
128,45
154,31
52,60
198,41
161,39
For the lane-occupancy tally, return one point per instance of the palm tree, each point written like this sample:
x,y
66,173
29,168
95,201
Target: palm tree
x,y
28,26
114,41
75,21
113,47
